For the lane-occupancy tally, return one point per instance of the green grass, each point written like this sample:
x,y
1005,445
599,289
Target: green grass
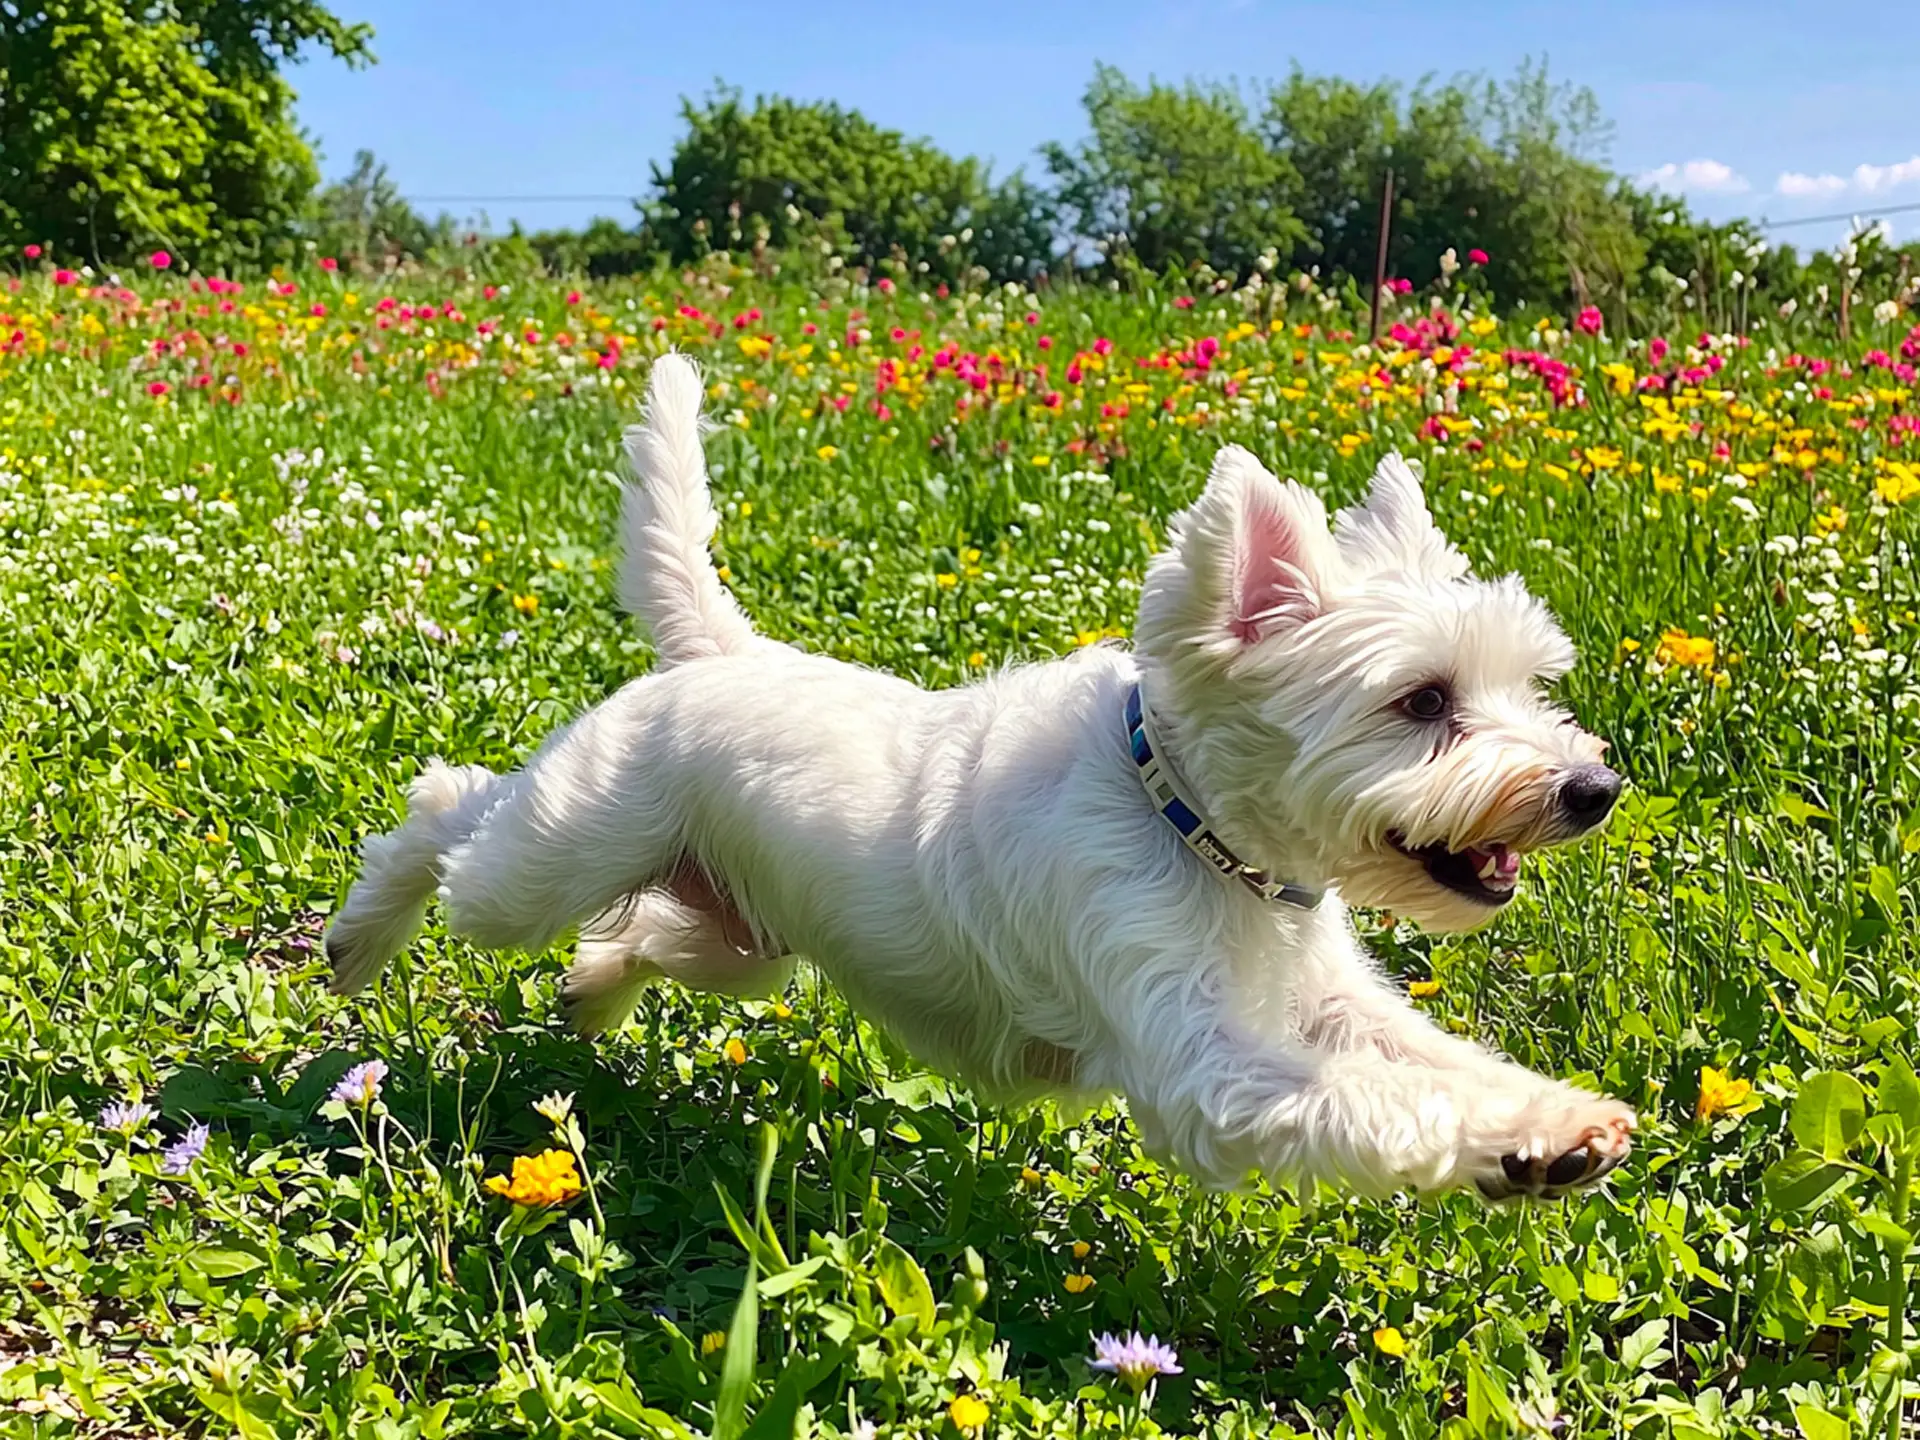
x,y
235,630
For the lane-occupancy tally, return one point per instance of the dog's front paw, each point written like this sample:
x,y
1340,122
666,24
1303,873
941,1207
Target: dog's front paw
x,y
1570,1148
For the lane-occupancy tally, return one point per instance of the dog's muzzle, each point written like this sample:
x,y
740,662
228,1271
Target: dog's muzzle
x,y
1586,797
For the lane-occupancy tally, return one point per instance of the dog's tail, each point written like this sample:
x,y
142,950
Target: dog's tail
x,y
667,579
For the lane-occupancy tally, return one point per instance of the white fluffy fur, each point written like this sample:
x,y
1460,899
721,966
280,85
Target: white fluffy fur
x,y
980,871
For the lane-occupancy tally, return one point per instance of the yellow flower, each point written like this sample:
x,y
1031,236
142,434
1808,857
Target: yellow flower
x,y
1078,1284
1043,460
1389,1341
1421,989
1081,1249
1600,457
1830,521
526,604
946,580
746,509
736,1051
827,452
1719,1093
713,1341
977,659
1029,1175
1679,648
1666,484
1900,484
968,1412
545,1179
782,1010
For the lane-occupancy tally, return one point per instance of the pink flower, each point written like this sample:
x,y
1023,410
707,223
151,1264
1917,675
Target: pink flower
x,y
160,260
1657,349
1103,346
1589,321
158,387
1402,286
1476,257
327,262
65,277
573,297
32,252
1183,302
886,286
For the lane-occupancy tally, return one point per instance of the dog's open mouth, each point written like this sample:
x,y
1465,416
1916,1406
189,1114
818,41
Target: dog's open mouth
x,y
1485,873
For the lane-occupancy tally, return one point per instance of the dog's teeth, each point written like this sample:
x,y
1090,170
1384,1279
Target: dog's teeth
x,y
1491,868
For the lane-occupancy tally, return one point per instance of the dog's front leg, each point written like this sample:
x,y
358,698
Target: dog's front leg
x,y
1223,1102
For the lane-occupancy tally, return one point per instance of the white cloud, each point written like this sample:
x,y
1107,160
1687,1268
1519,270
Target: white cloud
x,y
1865,180
1704,175
1872,178
1794,183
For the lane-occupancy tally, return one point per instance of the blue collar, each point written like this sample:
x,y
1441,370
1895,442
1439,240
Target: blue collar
x,y
1169,796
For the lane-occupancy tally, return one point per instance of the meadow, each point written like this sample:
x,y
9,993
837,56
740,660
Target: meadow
x,y
266,545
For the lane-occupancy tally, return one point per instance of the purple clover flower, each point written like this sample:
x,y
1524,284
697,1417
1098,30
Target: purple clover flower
x,y
178,1158
126,1116
361,1084
1135,1360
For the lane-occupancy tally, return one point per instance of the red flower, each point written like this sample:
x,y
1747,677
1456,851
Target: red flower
x,y
886,286
573,297
327,262
32,252
158,387
65,277
1476,257
1183,302
1656,349
160,260
1589,321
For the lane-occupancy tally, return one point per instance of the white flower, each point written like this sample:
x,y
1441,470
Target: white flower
x,y
1886,312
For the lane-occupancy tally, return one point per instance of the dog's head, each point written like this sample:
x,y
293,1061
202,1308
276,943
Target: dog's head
x,y
1352,706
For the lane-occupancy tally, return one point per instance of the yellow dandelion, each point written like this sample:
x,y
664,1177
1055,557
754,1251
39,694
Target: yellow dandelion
x,y
977,659
1422,989
1679,648
736,1051
1389,1341
828,452
1719,1093
545,1179
1043,461
526,604
968,1412
1081,1249
946,580
746,509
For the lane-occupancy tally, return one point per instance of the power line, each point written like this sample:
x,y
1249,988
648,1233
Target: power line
x,y
518,199
1766,224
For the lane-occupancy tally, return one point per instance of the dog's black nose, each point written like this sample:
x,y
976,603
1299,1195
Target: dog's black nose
x,y
1588,794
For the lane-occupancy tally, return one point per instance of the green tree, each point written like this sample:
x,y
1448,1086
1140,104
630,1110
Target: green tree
x,y
364,217
125,126
1174,176
785,172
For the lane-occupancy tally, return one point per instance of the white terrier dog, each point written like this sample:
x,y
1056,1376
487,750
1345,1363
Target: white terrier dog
x,y
1058,878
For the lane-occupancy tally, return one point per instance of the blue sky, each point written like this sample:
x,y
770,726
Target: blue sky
x,y
1753,108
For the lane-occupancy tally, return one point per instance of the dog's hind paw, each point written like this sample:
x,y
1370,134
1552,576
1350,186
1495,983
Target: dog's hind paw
x,y
1598,1136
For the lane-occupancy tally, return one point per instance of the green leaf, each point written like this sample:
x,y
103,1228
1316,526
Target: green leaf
x,y
224,1264
1900,1093
1885,890
787,1279
903,1283
1817,1424
319,1076
1899,1239
1828,1114
1642,1349
1600,1286
737,1364
1800,1181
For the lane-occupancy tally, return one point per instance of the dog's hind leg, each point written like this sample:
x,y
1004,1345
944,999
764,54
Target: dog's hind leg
x,y
400,870
684,931
590,819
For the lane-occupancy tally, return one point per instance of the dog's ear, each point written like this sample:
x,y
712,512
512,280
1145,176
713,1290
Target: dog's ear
x,y
1392,529
1261,547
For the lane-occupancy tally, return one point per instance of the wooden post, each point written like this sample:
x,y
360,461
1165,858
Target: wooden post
x,y
1380,260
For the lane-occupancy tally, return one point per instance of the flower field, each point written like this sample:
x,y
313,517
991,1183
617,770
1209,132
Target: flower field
x,y
266,545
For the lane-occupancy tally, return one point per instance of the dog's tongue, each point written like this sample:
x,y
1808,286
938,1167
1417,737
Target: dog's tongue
x,y
1497,867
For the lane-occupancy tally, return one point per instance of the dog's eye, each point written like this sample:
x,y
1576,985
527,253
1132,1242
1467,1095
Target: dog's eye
x,y
1429,702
